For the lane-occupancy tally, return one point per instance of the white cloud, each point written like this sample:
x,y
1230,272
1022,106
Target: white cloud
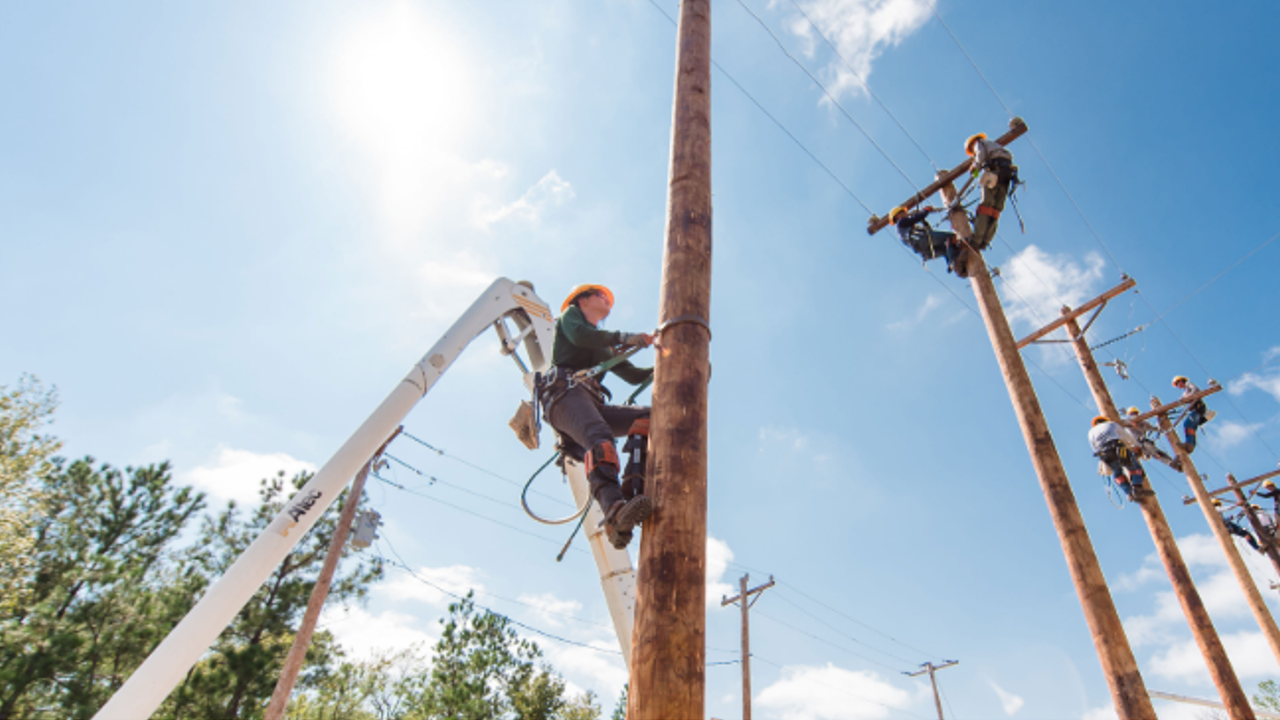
x,y
931,302
551,609
791,437
1039,284
1228,434
550,191
1247,651
1268,382
718,558
831,693
601,671
1009,702
861,31
363,634
457,579
1106,712
237,474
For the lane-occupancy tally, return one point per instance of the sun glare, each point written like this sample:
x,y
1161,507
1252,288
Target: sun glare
x,y
402,90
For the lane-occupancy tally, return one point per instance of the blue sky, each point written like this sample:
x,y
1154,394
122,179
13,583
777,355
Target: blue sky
x,y
229,231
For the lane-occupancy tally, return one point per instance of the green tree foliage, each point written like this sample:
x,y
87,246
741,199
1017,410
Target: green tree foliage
x,y
100,593
482,670
25,454
237,678
1268,695
620,710
381,688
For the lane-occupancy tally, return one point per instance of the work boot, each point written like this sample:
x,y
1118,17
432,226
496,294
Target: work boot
x,y
1188,448
618,537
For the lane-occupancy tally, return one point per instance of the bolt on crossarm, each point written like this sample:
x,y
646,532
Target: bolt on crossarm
x,y
1215,656
1128,692
1167,546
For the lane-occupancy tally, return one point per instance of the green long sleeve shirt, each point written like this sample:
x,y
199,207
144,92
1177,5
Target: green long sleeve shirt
x,y
580,345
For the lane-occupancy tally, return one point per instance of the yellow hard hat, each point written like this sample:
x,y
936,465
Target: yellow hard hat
x,y
896,212
580,289
1179,379
1133,411
1099,420
1268,483
968,144
1217,502
1255,507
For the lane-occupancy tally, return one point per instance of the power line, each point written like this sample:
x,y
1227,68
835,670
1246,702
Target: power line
x,y
472,512
827,92
490,473
1097,236
838,630
865,86
508,618
776,121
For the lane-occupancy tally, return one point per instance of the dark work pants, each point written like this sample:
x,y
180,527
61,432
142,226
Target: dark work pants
x,y
590,422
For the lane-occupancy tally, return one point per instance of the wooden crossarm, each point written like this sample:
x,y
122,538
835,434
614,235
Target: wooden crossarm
x,y
1130,422
1069,315
1234,485
875,223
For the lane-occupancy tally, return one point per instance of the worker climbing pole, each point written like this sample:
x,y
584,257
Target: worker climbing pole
x,y
1206,636
1128,692
668,655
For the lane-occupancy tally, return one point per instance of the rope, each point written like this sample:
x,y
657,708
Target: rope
x,y
524,502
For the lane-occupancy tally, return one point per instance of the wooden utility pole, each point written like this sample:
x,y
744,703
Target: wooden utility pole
x,y
931,669
1128,692
1272,552
1167,546
1266,536
743,598
1215,656
668,650
298,652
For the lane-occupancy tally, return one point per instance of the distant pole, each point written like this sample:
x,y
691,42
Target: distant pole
x,y
668,652
1268,547
1167,546
301,641
1109,640
1215,655
931,669
742,599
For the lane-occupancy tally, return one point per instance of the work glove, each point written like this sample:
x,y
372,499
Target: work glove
x,y
635,340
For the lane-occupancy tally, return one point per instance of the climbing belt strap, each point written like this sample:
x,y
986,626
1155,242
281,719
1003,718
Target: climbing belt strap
x,y
993,213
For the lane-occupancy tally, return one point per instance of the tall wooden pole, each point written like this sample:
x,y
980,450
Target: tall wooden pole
x,y
746,649
668,652
744,598
1184,588
1128,692
298,651
1215,656
1265,538
301,641
932,670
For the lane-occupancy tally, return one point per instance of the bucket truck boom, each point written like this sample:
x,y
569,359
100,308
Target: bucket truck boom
x,y
504,301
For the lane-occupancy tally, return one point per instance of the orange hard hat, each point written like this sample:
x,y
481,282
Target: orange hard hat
x,y
1100,419
968,144
580,289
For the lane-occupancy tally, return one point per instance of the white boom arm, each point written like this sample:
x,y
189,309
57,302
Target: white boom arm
x,y
504,300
